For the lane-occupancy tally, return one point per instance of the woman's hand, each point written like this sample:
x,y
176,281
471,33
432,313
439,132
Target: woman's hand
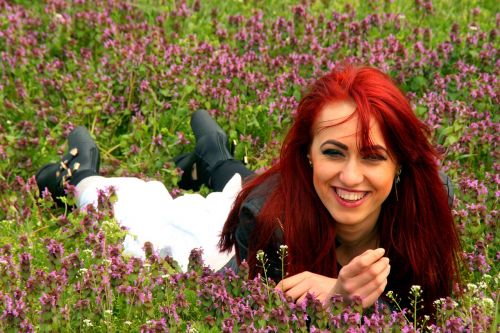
x,y
297,286
364,276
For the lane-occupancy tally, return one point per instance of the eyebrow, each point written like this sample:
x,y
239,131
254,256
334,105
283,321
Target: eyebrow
x,y
344,147
334,142
375,147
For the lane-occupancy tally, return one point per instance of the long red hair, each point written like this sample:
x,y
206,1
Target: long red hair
x,y
416,229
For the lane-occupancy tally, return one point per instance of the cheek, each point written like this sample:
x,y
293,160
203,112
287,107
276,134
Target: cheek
x,y
318,179
322,175
383,184
387,189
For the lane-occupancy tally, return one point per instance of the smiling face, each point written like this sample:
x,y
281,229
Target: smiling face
x,y
352,184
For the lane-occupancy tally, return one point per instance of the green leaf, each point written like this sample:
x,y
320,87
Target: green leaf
x,y
451,139
191,296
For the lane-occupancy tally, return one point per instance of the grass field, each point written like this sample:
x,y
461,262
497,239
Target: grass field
x,y
133,72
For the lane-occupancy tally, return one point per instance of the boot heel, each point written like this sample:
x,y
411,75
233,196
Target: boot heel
x,y
191,178
232,147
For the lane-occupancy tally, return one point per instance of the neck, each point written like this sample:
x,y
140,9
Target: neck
x,y
353,244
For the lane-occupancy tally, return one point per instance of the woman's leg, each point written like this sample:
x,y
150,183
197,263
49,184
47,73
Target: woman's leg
x,y
225,170
140,205
128,189
173,226
145,208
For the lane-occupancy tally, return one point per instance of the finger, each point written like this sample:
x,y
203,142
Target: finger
x,y
321,297
299,291
374,296
368,257
374,284
361,262
301,299
367,276
291,281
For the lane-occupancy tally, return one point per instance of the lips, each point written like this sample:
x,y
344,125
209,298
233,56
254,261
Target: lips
x,y
352,196
350,199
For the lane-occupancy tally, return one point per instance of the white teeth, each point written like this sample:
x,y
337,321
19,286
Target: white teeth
x,y
351,196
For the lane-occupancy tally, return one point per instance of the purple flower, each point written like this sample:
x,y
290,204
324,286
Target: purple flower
x,y
48,300
181,138
454,324
14,308
144,86
55,249
25,264
134,149
157,140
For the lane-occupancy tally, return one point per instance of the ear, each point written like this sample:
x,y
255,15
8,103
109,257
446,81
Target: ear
x,y
309,159
397,178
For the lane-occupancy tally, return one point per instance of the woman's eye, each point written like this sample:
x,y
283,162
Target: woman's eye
x,y
375,157
332,153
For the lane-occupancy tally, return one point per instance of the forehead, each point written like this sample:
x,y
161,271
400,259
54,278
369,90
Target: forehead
x,y
339,120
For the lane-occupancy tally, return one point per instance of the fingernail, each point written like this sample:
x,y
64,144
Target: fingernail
x,y
380,251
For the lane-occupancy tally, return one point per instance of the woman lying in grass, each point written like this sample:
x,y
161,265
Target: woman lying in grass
x,y
356,197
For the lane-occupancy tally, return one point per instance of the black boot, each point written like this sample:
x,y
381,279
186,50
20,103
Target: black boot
x,y
81,160
211,149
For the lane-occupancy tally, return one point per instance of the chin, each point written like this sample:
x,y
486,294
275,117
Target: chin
x,y
351,218
347,221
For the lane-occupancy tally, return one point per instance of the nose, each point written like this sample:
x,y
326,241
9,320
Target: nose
x,y
351,173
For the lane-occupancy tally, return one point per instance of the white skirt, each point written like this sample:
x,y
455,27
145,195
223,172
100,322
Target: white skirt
x,y
173,226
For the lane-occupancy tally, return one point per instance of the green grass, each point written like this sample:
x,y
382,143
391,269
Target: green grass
x,y
132,70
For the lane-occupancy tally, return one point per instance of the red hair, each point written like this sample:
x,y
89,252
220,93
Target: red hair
x,y
416,229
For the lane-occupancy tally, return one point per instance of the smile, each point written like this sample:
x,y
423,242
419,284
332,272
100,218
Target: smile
x,y
348,195
350,198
